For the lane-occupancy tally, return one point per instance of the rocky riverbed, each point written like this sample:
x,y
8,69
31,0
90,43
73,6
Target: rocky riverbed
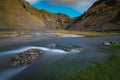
x,y
64,47
26,57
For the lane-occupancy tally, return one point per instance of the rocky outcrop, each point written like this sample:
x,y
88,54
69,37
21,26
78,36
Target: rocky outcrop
x,y
26,57
70,48
103,15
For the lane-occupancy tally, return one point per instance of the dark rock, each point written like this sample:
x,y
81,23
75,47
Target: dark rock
x,y
26,57
64,47
109,43
69,48
110,2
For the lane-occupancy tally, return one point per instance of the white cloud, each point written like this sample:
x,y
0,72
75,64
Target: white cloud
x,y
82,5
33,1
78,5
66,2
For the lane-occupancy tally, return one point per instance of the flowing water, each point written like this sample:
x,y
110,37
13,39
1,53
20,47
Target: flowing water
x,y
55,62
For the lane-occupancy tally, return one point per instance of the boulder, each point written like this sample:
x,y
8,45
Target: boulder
x,y
26,57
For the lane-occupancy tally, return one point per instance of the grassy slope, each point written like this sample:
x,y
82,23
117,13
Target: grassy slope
x,y
14,15
15,19
19,15
109,70
100,17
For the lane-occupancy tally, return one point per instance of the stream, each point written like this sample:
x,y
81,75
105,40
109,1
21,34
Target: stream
x,y
55,62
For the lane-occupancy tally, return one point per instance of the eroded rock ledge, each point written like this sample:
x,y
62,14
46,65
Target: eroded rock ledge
x,y
26,57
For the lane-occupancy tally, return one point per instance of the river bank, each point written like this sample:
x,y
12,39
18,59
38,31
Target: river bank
x,y
34,36
29,37
66,33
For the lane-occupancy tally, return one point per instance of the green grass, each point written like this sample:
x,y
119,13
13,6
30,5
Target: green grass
x,y
7,34
82,33
109,70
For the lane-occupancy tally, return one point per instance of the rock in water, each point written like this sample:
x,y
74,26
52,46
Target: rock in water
x,y
109,43
26,57
64,47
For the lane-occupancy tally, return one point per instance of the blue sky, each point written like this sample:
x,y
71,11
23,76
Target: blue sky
x,y
72,8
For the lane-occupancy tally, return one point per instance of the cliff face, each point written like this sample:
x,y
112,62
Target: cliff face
x,y
19,15
104,15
